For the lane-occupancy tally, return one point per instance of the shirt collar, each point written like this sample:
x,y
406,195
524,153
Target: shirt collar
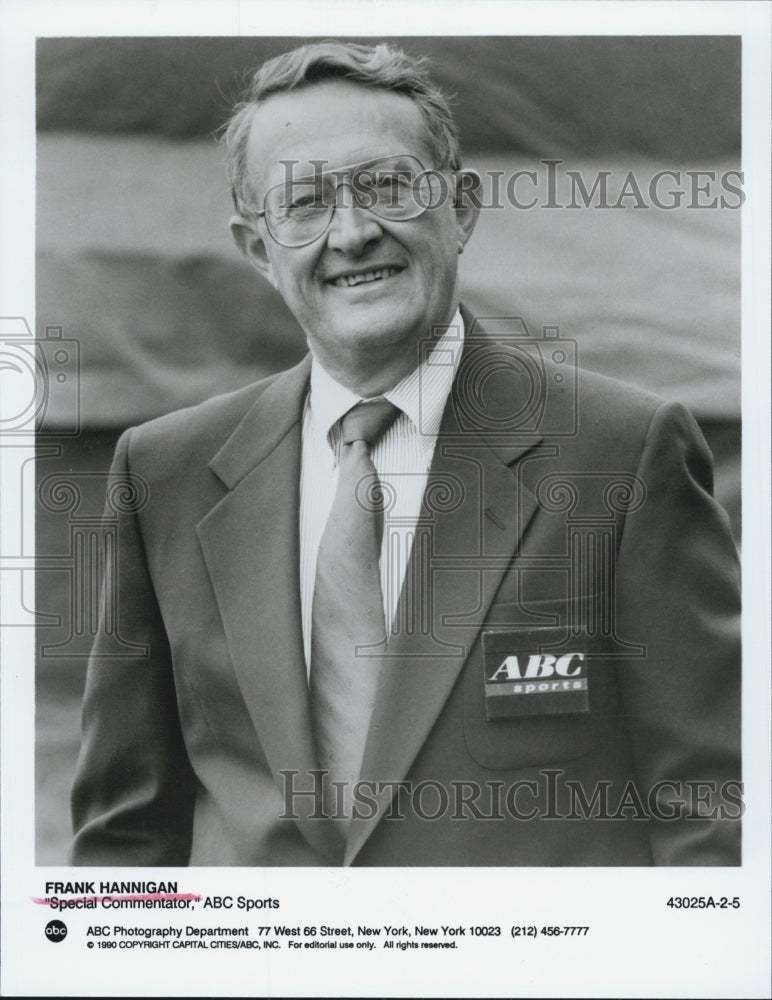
x,y
421,395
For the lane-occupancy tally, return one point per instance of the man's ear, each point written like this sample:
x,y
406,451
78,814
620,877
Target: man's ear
x,y
466,203
252,245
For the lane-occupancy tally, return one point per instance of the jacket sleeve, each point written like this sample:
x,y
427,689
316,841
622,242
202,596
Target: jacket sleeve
x,y
678,594
134,790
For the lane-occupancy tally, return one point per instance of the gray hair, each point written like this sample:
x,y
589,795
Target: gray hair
x,y
381,66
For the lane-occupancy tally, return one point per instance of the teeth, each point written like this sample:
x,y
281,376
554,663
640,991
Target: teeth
x,y
349,280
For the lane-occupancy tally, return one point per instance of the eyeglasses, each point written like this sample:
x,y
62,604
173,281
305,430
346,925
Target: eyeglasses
x,y
397,188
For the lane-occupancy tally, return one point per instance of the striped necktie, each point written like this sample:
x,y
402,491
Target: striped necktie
x,y
348,627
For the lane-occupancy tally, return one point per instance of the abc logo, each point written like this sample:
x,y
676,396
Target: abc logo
x,y
56,930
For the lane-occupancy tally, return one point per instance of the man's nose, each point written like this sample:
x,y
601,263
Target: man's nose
x,y
352,228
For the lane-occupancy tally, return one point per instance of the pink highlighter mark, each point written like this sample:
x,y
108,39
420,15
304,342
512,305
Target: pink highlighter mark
x,y
191,896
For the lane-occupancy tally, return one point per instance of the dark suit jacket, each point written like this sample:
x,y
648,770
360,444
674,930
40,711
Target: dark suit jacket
x,y
551,500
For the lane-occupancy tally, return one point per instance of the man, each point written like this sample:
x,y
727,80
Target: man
x,y
424,599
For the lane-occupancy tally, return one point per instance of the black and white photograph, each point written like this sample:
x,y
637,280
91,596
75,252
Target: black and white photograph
x,y
386,414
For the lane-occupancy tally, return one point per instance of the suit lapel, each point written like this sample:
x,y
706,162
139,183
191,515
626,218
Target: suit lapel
x,y
250,544
476,510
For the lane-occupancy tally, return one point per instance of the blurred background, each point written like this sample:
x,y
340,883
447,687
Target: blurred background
x,y
136,264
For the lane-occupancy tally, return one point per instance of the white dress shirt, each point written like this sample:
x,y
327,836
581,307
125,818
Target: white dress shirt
x,y
402,458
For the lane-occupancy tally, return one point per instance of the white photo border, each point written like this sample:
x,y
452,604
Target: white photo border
x,y
639,948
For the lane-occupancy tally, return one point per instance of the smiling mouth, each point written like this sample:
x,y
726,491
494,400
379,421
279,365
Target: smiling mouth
x,y
365,277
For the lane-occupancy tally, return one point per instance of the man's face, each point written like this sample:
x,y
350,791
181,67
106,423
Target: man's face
x,y
341,123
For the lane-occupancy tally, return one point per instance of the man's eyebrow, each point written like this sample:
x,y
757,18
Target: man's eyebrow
x,y
392,161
